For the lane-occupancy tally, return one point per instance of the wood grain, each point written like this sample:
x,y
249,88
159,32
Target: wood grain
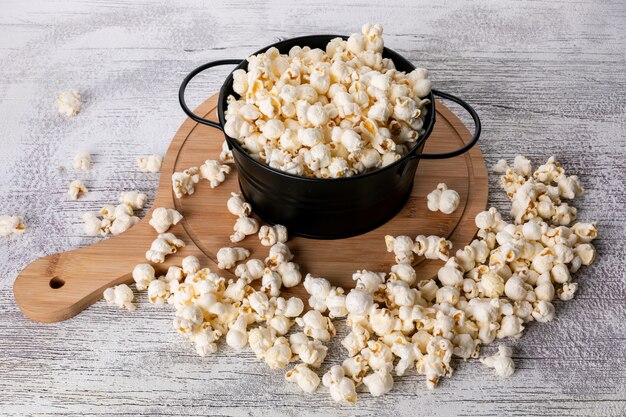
x,y
59,286
547,77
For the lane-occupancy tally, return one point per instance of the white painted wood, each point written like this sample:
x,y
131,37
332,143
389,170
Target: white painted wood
x,y
547,77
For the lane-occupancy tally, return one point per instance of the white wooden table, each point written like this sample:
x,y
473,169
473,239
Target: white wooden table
x,y
547,77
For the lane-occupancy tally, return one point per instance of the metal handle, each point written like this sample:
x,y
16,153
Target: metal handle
x,y
188,78
468,145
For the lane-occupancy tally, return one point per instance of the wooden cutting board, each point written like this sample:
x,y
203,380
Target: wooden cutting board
x,y
59,286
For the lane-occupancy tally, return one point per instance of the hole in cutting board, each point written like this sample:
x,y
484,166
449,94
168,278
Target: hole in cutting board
x,y
56,283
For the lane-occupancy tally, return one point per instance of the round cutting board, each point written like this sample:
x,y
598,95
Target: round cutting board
x,y
59,286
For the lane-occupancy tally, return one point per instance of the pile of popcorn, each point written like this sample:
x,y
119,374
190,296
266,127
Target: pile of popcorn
x,y
328,114
491,289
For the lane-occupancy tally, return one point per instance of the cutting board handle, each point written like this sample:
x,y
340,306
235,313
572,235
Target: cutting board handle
x,y
59,286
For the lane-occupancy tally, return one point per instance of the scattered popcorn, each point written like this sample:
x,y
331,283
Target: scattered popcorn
x,y
183,183
143,274
151,163
290,274
121,296
11,225
158,291
402,247
490,289
238,206
444,200
244,226
165,244
214,172
69,103
501,361
134,199
379,382
432,247
307,380
279,355
271,235
164,218
76,189
279,253
342,389
316,326
82,161
328,113
228,257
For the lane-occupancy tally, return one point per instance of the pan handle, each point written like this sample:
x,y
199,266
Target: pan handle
x,y
468,145
188,78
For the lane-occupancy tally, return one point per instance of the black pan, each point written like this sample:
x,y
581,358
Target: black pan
x,y
326,208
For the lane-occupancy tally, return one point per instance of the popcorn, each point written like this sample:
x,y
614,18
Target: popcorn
x,y
312,353
342,389
122,223
143,274
402,247
76,189
336,303
163,218
121,296
567,291
11,225
436,362
378,356
226,156
238,206
69,103
516,289
183,183
307,380
355,367
279,253
205,338
252,270
510,326
290,274
402,272
279,355
585,232
82,161
134,199
237,336
271,282
586,252
501,361
444,200
244,226
316,326
356,340
379,382
158,291
151,163
408,352
214,172
165,244
432,247
543,311
310,102
501,166
114,219
359,302
228,257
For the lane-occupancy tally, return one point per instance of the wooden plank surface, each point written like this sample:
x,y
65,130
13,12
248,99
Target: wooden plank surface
x,y
546,77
